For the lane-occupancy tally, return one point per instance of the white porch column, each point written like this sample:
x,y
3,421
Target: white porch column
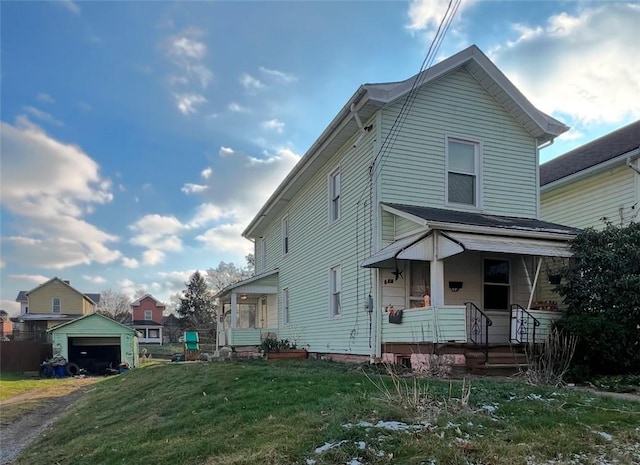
x,y
437,274
234,310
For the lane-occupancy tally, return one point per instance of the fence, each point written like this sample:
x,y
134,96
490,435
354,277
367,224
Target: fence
x,y
23,355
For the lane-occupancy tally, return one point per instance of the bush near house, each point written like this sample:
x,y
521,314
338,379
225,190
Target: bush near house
x,y
601,288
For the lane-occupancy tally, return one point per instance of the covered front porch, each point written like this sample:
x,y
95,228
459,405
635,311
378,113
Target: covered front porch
x,y
447,286
249,311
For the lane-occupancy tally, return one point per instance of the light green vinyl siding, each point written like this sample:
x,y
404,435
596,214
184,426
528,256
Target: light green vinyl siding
x,y
315,246
583,203
457,105
427,325
404,226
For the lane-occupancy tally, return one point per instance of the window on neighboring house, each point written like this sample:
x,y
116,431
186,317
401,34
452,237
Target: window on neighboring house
x,y
148,315
335,287
419,282
285,306
496,284
462,172
56,305
263,253
154,333
285,235
334,196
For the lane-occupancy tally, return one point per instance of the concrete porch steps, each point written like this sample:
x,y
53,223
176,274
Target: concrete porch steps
x,y
502,361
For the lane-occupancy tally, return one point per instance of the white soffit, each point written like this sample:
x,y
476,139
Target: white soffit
x,y
386,256
513,245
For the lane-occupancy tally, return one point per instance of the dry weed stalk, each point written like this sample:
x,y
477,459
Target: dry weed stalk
x,y
547,363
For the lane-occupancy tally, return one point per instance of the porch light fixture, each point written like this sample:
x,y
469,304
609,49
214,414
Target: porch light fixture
x,y
455,286
244,296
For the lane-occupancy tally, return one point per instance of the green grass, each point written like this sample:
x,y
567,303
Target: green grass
x,y
13,384
279,413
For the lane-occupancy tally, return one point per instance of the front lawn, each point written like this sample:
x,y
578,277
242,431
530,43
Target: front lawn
x,y
322,413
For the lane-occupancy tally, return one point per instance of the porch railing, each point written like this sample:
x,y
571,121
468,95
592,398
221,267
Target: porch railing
x,y
479,324
523,325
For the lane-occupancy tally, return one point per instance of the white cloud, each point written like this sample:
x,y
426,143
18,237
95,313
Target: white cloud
x,y
152,257
206,173
190,188
83,106
128,287
278,75
581,66
426,15
250,83
94,279
188,52
226,151
130,262
572,134
43,115
207,212
36,279
11,306
44,98
49,186
188,103
237,108
69,5
226,238
274,125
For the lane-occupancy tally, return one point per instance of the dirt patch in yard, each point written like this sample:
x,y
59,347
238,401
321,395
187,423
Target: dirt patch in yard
x,y
24,417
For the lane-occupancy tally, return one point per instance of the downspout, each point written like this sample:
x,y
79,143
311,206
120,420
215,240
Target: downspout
x,y
538,197
630,161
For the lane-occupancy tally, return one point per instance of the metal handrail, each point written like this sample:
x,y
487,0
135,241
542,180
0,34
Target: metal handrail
x,y
479,324
522,318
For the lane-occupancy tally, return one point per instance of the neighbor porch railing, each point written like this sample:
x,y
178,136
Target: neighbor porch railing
x,y
523,325
479,324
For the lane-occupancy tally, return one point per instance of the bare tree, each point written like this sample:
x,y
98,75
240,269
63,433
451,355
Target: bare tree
x,y
115,305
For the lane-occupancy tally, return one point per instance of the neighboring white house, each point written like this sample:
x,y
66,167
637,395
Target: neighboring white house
x,y
421,195
596,183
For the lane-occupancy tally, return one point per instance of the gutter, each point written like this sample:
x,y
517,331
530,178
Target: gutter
x,y
630,161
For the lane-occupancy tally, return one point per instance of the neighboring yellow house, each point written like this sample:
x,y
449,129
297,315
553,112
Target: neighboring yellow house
x,y
51,304
596,183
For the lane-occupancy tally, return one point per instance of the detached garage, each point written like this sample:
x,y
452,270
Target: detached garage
x,y
95,342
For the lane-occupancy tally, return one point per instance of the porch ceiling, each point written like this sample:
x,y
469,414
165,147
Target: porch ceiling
x,y
513,245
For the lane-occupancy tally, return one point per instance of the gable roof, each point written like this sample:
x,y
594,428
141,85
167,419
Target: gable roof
x,y
66,283
617,144
158,303
91,315
439,217
369,98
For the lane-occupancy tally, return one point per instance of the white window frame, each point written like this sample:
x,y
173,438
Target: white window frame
x,y
335,292
335,195
263,253
150,313
477,144
284,227
54,305
285,306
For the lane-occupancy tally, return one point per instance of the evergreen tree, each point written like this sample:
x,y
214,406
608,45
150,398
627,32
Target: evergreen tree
x,y
197,308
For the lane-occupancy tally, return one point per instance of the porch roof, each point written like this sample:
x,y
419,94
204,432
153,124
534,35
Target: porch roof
x,y
386,257
513,245
259,283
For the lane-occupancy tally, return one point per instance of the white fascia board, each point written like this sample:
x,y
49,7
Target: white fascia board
x,y
619,160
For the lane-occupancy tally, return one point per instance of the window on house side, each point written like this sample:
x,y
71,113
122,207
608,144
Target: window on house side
x,y
285,235
335,287
56,305
148,315
462,172
334,196
285,306
263,253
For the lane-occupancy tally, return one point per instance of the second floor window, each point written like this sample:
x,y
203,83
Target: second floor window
x,y
462,172
285,235
334,196
148,315
56,305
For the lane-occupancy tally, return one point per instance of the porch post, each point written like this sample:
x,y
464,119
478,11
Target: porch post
x,y
437,275
234,310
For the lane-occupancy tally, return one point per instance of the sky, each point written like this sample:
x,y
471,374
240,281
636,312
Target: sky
x,y
138,139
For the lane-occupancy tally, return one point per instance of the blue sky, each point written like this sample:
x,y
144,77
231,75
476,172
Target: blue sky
x,y
140,138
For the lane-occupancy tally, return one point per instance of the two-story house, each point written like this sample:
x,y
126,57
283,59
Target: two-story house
x,y
411,224
147,319
596,183
49,305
